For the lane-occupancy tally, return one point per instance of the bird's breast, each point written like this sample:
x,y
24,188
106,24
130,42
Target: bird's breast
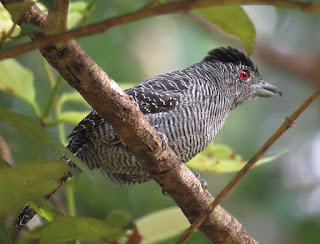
x,y
190,127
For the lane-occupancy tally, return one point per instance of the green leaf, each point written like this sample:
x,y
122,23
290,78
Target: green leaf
x,y
119,218
45,209
196,237
231,19
5,237
18,80
6,22
69,228
73,117
3,164
26,182
17,9
77,11
73,96
221,159
42,6
155,227
49,4
28,29
33,127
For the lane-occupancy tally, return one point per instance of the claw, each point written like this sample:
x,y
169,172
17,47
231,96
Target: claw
x,y
204,184
165,143
165,140
134,158
165,193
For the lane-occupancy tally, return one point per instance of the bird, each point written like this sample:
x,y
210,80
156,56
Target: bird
x,y
186,107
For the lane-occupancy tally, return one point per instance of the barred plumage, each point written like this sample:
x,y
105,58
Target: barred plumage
x,y
188,106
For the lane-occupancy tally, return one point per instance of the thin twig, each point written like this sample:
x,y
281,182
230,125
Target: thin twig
x,y
7,35
89,9
50,102
49,73
288,123
171,7
151,4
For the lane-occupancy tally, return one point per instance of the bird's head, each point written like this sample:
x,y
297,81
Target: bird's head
x,y
238,77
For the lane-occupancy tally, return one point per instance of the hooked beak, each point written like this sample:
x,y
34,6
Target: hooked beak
x,y
265,89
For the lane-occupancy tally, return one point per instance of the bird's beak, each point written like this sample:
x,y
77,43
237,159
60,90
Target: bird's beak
x,y
265,89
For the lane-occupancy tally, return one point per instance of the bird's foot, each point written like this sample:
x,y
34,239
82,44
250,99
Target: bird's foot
x,y
165,143
165,193
204,184
134,158
165,140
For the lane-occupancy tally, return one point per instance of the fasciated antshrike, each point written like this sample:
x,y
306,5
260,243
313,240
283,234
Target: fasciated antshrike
x,y
188,107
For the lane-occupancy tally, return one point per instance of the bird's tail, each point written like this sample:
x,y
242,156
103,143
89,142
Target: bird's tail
x,y
28,213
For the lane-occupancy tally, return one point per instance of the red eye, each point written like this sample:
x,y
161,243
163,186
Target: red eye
x,y
244,75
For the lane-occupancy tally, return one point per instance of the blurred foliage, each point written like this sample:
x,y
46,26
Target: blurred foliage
x,y
18,81
155,227
18,9
18,185
43,109
67,228
231,19
31,126
45,209
221,159
4,233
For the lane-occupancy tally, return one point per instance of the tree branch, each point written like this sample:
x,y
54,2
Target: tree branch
x,y
58,15
288,123
171,7
123,113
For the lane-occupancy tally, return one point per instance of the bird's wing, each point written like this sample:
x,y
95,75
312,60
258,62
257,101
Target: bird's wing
x,y
159,94
92,120
153,99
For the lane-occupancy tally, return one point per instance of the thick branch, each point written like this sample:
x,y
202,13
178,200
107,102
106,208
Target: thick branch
x,y
171,7
121,111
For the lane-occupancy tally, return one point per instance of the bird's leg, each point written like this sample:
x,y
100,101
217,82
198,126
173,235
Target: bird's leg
x,y
204,184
